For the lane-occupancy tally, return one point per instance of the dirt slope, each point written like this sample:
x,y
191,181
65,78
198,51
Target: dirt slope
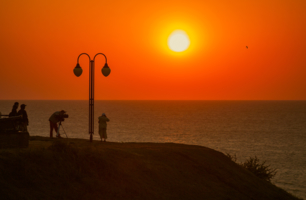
x,y
78,169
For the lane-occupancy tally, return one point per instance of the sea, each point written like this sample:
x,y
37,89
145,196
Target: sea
x,y
274,131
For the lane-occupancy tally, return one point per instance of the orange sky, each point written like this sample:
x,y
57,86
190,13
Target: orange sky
x,y
41,40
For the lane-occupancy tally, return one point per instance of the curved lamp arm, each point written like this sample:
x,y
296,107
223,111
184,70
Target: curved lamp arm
x,y
101,54
78,70
105,70
83,54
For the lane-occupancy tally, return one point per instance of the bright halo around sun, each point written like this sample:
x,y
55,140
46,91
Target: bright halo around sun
x,y
178,41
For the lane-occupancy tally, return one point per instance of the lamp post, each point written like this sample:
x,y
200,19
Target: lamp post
x,y
78,71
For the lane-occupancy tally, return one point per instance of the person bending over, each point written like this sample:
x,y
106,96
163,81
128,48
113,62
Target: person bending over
x,y
55,117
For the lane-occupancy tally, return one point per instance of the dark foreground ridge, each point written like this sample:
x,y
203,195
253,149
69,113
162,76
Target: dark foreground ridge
x,y
78,169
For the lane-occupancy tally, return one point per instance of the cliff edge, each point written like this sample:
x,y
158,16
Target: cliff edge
x,y
78,169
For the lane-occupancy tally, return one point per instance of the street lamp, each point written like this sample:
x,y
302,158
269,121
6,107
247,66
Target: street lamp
x,y
78,71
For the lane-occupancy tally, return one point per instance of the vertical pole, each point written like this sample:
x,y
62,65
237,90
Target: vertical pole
x,y
89,117
91,99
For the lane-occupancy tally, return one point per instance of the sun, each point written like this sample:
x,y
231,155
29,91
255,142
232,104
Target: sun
x,y
178,41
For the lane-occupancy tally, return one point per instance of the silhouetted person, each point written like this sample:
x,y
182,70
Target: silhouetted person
x,y
14,110
102,127
24,116
55,117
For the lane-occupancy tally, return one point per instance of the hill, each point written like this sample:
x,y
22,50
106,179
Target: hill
x,y
78,169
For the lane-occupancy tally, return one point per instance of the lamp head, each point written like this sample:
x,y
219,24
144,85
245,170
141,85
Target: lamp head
x,y
106,70
77,70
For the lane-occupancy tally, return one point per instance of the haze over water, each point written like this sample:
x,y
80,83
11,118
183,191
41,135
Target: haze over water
x,y
274,131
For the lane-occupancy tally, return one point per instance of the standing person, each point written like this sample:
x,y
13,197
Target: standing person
x,y
55,117
102,127
14,110
24,116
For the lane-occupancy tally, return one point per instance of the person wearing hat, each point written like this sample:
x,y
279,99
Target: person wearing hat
x,y
24,116
102,127
55,117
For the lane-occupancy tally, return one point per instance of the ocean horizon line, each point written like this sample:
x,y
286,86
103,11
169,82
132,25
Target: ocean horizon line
x,y
146,100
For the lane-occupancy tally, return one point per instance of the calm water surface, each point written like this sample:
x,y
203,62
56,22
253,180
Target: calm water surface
x,y
274,131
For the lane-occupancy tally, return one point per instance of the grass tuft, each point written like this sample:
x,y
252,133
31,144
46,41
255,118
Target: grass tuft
x,y
258,168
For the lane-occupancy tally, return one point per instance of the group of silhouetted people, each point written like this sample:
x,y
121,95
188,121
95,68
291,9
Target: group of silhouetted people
x,y
54,120
57,117
21,113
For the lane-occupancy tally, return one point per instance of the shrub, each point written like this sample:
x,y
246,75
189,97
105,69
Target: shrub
x,y
232,157
259,169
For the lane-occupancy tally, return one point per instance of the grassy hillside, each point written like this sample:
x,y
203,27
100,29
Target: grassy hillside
x,y
78,169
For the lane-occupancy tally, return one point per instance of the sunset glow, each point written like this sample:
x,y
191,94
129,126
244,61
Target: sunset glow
x,y
40,42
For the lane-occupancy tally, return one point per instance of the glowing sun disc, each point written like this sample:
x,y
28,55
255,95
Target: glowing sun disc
x,y
178,41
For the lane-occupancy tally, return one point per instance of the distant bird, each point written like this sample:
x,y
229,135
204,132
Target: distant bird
x,y
247,47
